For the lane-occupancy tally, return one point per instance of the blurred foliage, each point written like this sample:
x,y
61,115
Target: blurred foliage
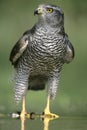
x,y
16,17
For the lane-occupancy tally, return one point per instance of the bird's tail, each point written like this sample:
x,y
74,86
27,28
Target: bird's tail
x,y
37,87
37,82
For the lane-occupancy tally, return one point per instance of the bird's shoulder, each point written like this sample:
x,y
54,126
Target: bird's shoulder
x,y
21,46
69,50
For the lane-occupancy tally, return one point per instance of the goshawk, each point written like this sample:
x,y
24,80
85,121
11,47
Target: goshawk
x,y
38,56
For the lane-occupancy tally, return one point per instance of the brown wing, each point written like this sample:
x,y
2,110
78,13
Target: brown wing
x,y
70,53
18,49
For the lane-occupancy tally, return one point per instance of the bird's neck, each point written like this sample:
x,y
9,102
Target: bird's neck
x,y
61,30
57,28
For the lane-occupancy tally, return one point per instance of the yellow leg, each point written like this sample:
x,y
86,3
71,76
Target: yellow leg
x,y
47,112
23,112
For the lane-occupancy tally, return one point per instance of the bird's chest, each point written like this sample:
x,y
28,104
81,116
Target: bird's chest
x,y
45,52
42,48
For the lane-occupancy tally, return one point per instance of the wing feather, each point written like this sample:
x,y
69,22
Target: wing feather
x,y
69,51
18,49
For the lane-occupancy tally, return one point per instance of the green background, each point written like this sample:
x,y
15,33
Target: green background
x,y
16,16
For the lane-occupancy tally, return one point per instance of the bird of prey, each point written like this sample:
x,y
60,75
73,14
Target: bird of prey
x,y
38,56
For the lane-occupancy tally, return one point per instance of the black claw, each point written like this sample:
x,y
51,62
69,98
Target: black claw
x,y
32,115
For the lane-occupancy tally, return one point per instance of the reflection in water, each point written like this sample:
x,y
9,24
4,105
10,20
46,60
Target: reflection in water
x,y
45,120
68,123
22,124
46,123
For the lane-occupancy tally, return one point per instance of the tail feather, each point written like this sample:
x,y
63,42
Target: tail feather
x,y
37,87
37,82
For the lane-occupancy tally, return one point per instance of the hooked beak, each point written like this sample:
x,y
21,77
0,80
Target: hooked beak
x,y
38,11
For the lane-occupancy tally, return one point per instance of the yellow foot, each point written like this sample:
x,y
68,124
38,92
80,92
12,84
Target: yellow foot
x,y
24,115
50,115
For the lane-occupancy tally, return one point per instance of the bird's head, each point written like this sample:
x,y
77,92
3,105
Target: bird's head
x,y
50,14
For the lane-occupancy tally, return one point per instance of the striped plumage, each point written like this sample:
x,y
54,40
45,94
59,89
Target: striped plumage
x,y
40,53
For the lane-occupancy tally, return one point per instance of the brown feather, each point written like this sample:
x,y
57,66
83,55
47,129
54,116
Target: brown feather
x,y
18,49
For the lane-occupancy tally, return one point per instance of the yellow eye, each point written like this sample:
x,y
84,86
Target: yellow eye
x,y
50,10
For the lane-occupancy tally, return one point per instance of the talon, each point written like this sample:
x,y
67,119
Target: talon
x,y
51,115
32,115
47,112
23,114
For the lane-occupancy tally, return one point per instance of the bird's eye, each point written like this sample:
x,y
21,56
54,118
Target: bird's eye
x,y
50,10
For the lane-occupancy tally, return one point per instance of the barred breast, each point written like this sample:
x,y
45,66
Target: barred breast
x,y
44,54
45,51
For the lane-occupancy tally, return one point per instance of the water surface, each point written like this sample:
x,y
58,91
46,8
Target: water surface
x,y
62,123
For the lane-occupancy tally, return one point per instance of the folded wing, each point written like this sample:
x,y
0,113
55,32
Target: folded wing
x,y
18,49
69,52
